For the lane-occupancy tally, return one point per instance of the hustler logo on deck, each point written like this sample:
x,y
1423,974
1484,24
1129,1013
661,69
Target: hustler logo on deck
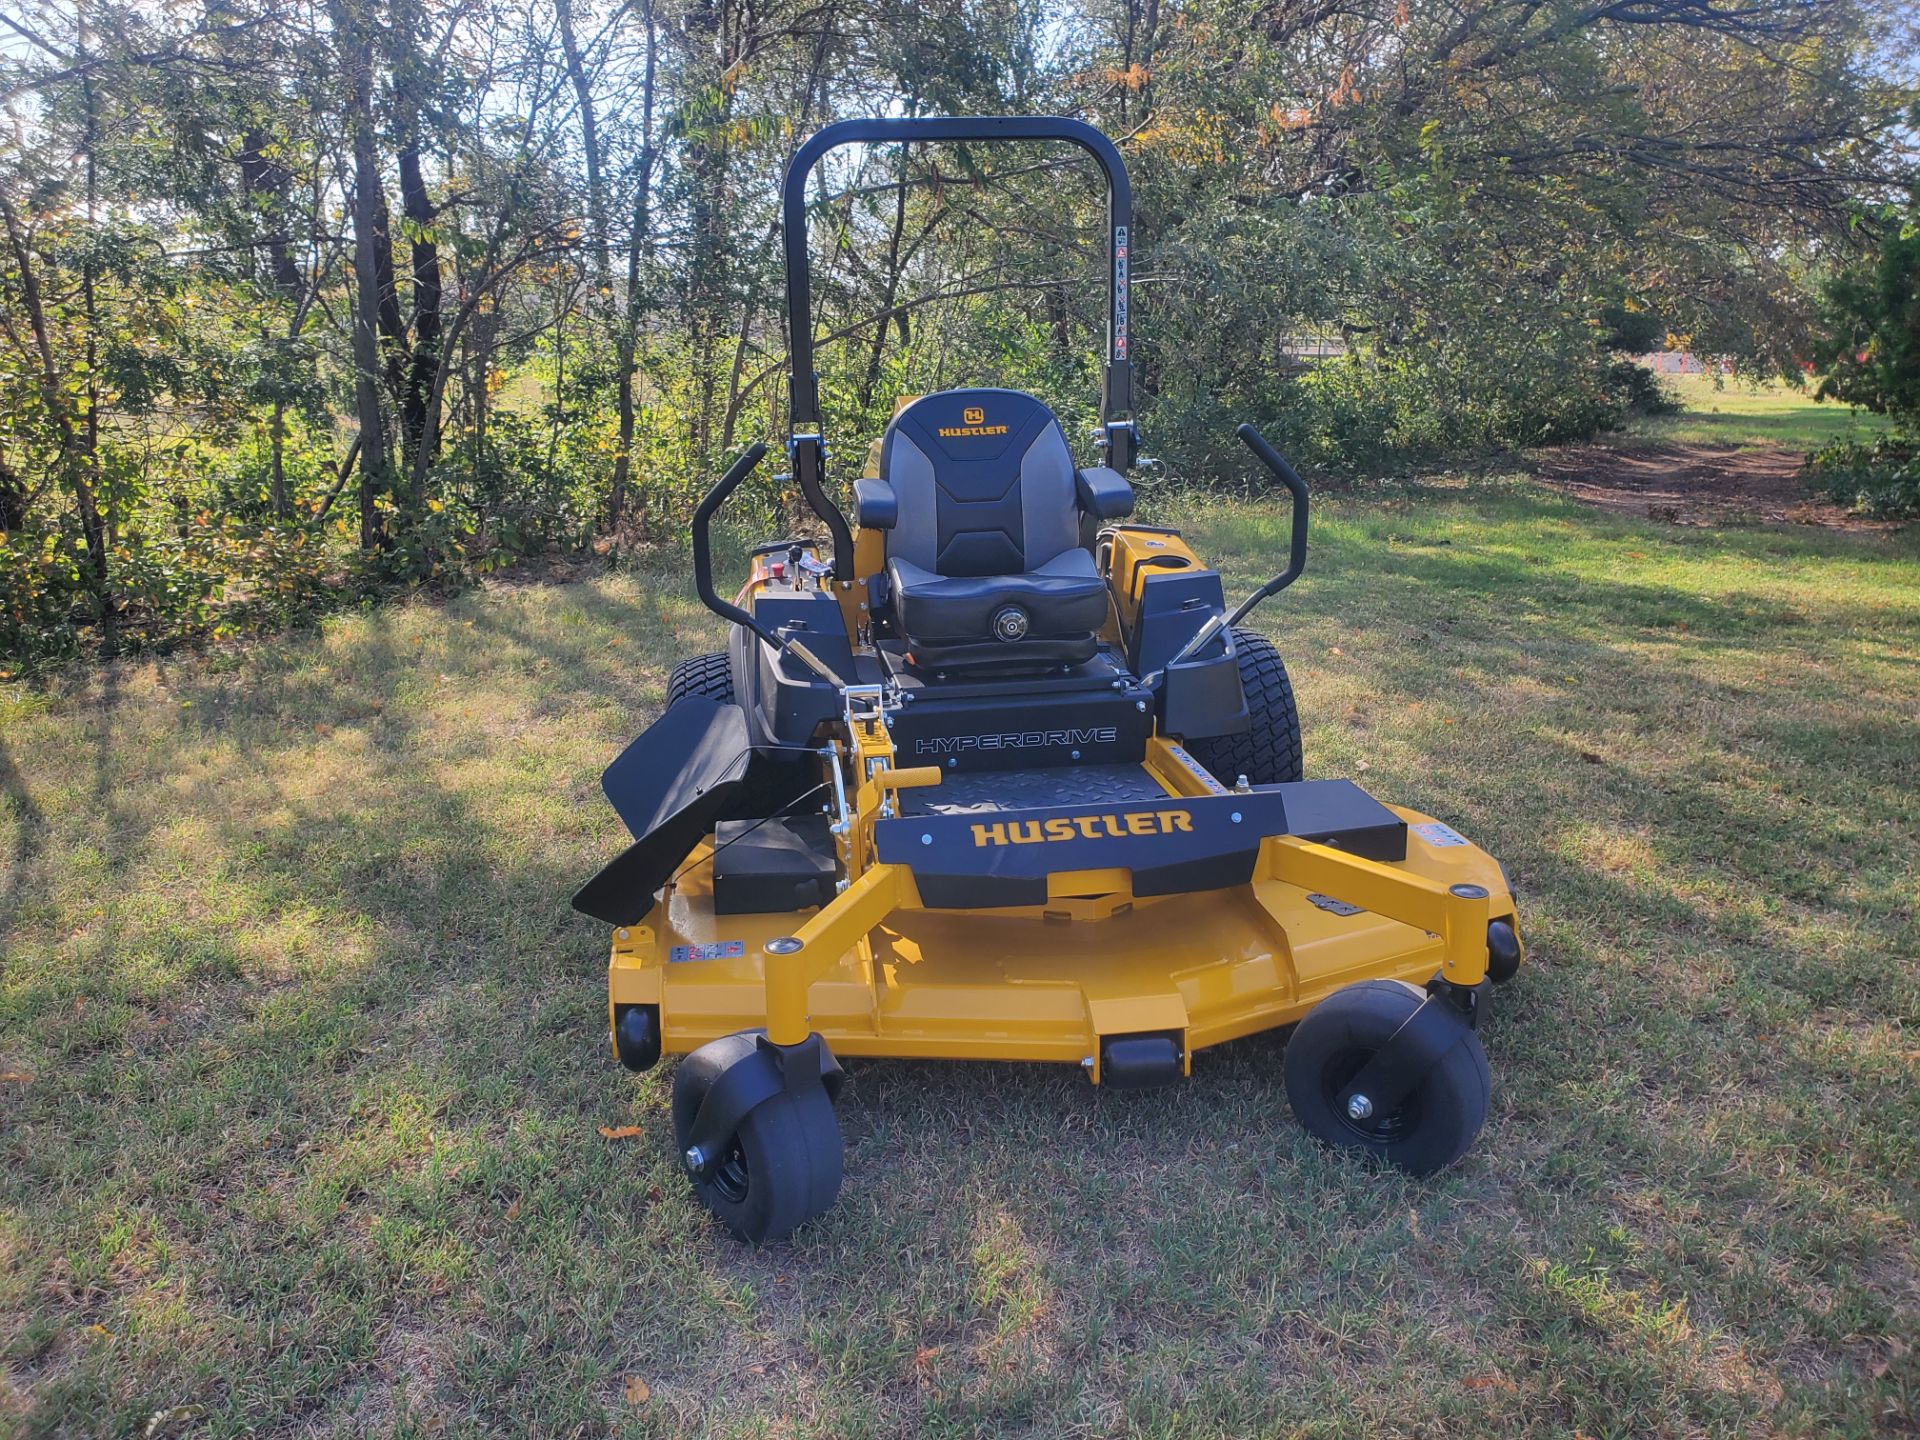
x,y
1083,827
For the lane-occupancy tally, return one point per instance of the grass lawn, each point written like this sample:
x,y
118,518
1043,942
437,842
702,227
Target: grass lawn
x,y
304,1078
1734,412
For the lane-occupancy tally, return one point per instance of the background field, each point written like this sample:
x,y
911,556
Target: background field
x,y
304,1069
1734,412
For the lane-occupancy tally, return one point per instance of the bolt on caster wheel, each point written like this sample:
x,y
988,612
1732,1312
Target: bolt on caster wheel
x,y
780,1167
1428,1128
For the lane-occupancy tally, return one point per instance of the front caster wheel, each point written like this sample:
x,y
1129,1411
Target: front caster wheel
x,y
780,1167
1427,1130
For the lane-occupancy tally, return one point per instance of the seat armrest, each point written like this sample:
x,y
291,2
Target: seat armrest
x,y
1105,494
875,505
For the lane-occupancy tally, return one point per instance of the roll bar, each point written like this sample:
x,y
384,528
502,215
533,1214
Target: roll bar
x,y
805,438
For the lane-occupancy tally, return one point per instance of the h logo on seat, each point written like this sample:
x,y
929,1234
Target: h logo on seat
x,y
974,415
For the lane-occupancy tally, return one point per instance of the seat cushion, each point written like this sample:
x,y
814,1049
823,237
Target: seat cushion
x,y
1063,599
984,484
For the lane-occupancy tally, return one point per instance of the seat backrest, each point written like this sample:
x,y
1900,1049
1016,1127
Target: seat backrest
x,y
985,483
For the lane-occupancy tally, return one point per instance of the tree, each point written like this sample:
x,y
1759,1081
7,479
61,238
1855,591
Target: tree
x,y
515,268
1870,353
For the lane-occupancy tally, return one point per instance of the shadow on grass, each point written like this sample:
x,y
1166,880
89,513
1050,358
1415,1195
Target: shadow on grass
x,y
29,842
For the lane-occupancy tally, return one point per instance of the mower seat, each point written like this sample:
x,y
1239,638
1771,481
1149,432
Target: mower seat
x,y
983,507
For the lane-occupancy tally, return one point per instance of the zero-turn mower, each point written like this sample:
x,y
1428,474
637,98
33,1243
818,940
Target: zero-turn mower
x,y
1001,777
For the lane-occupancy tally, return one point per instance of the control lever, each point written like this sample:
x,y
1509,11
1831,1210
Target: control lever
x,y
1296,559
703,569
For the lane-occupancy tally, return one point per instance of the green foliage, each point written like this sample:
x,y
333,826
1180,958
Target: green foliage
x,y
1870,353
43,596
207,578
567,224
1640,392
1879,477
1372,414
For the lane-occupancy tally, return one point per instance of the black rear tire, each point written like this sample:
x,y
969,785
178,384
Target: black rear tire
x,y
708,676
1268,753
1433,1127
784,1164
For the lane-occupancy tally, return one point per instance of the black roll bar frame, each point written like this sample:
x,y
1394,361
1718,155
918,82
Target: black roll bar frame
x,y
806,442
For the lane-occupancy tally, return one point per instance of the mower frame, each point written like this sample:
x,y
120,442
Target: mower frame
x,y
1178,910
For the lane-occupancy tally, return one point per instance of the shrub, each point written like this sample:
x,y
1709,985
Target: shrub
x,y
1879,477
1639,391
43,597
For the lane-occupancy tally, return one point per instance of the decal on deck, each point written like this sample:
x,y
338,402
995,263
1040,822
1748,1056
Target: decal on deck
x,y
718,950
1434,833
1199,772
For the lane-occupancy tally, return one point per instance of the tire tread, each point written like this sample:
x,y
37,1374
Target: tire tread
x,y
1268,752
708,676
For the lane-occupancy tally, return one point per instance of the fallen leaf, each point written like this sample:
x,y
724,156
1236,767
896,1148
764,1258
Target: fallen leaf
x,y
513,1211
18,1077
102,1331
620,1132
1489,1382
638,1391
162,1421
1590,757
1335,650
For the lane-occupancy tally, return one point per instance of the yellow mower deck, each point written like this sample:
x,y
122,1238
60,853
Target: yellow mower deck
x,y
877,974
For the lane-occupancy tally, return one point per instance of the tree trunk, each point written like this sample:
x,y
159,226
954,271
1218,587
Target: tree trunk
x,y
13,498
879,348
268,180
590,142
53,396
419,432
369,241
709,272
639,245
277,433
737,372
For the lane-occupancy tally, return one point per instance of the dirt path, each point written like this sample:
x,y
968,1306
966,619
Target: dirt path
x,y
1696,484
